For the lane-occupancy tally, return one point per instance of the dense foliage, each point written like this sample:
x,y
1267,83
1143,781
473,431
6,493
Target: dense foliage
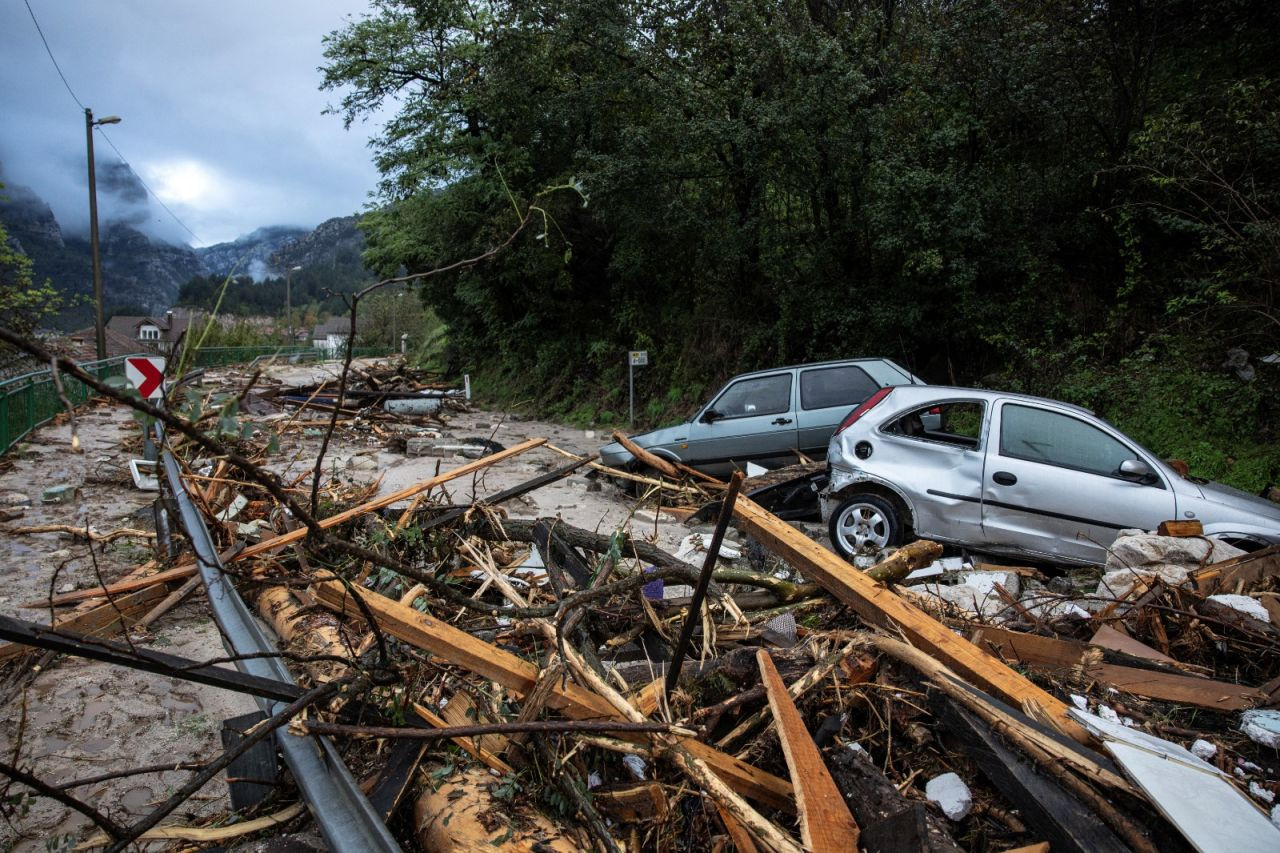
x,y
1074,198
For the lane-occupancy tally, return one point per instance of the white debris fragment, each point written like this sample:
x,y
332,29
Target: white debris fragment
x,y
1262,727
1107,714
1261,793
951,794
636,765
1204,750
1080,702
1244,604
693,549
856,747
594,780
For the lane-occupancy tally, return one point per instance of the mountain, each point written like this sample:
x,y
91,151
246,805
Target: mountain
x,y
143,275
251,254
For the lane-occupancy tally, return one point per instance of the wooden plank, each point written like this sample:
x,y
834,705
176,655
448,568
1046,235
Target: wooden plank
x,y
1249,568
1177,527
519,675
395,497
879,605
179,573
1109,638
468,744
630,802
1052,654
101,620
825,821
397,774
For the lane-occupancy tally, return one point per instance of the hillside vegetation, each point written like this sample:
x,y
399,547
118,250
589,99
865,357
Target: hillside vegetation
x,y
1072,198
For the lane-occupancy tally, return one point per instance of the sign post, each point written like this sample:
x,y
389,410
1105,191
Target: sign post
x,y
636,358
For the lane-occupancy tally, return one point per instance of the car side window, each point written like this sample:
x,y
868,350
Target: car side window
x,y
843,386
764,395
1039,435
958,423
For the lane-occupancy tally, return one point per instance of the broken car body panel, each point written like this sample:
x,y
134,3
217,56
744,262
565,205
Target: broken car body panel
x,y
766,416
1023,476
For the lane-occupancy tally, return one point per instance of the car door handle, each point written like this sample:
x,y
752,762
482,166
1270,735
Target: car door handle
x,y
1004,478
781,421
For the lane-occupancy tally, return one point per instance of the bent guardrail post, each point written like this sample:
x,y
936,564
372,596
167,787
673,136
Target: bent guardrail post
x,y
340,809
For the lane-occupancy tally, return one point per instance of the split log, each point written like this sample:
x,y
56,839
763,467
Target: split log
x,y
91,534
304,634
460,813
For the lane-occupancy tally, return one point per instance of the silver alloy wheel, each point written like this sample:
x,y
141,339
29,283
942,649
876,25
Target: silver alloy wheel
x,y
863,528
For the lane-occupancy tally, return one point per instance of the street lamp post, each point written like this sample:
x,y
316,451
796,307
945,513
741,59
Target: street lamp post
x,y
288,301
99,325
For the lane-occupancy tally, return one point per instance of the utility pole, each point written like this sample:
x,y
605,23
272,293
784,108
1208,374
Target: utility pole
x,y
99,324
288,302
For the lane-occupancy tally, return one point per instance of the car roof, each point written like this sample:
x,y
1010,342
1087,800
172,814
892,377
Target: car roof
x,y
939,391
833,363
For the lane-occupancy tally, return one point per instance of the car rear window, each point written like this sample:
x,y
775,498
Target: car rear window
x,y
844,386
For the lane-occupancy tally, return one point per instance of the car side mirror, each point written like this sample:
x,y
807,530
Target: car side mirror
x,y
1138,471
710,416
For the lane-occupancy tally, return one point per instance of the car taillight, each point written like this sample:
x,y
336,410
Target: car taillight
x,y
867,405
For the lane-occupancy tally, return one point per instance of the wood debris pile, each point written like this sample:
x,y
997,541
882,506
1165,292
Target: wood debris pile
x,y
521,683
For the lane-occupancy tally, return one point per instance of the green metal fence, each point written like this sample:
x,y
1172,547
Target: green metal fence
x,y
30,400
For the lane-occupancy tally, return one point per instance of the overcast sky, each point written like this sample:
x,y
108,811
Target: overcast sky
x,y
221,107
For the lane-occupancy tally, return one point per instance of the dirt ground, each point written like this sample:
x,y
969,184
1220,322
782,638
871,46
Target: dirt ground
x,y
81,718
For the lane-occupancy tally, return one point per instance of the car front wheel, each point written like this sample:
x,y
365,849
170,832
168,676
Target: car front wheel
x,y
864,524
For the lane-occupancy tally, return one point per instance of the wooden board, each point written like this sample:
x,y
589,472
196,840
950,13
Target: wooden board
x,y
179,573
1051,654
103,619
1247,568
879,605
1180,528
458,647
826,826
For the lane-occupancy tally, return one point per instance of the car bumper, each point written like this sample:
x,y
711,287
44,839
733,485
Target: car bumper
x,y
614,455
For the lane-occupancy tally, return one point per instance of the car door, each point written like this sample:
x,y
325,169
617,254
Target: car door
x,y
933,453
752,420
1052,485
827,394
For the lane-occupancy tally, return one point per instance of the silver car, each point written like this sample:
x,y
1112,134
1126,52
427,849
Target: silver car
x,y
766,416
1011,474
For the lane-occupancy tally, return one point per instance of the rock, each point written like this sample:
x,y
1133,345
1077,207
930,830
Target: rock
x,y
1262,727
951,795
14,499
1203,750
61,494
66,587
1261,793
1136,549
1244,604
12,513
59,555
362,463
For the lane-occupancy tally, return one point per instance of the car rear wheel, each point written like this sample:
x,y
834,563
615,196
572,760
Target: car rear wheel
x,y
864,524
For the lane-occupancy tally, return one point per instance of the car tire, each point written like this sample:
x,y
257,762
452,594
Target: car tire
x,y
864,524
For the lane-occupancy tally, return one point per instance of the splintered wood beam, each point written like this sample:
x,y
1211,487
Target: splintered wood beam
x,y
655,462
825,821
99,621
878,605
520,676
180,573
395,497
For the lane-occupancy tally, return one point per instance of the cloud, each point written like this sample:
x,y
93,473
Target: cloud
x,y
221,112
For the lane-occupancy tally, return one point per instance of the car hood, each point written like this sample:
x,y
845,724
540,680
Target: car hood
x,y
1241,501
615,454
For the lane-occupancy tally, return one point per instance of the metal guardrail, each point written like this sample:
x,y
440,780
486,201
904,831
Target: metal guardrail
x,y
221,356
347,821
29,400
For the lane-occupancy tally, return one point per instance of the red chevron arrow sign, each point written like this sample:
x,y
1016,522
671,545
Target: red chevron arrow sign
x,y
146,373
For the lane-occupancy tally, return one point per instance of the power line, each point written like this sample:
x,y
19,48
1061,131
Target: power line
x,y
127,164
49,51
148,188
